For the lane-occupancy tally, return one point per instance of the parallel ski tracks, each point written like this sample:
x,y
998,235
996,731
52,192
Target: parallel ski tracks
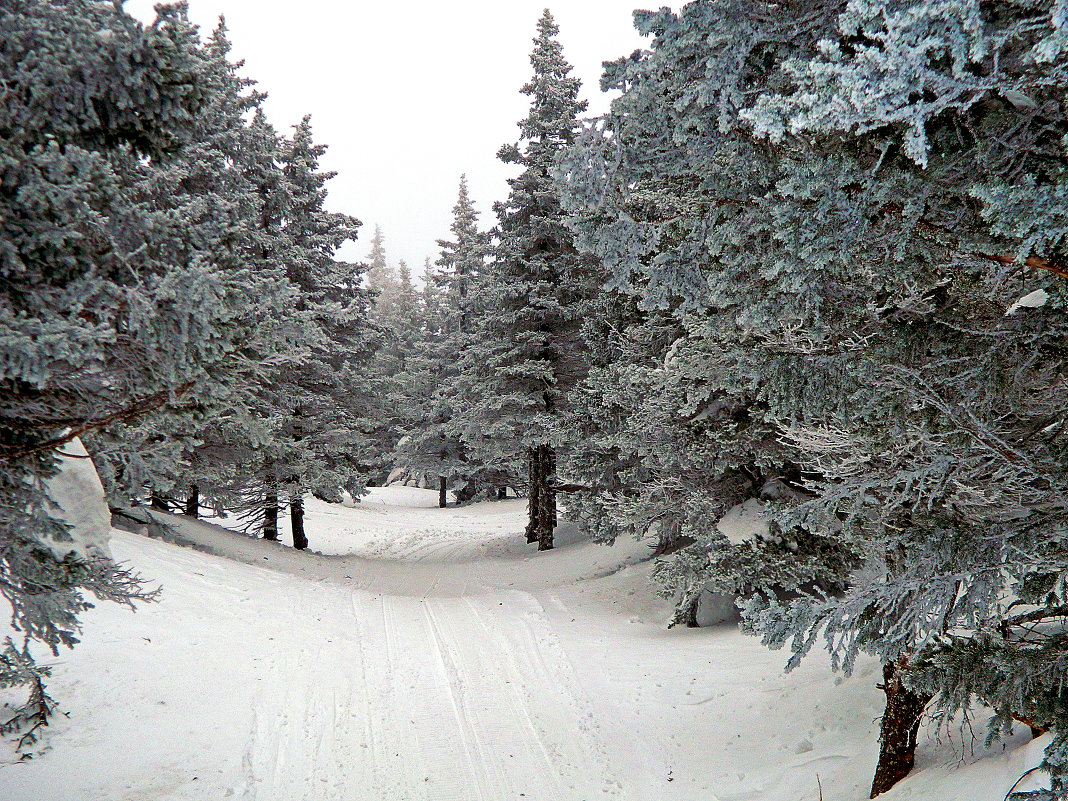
x,y
426,699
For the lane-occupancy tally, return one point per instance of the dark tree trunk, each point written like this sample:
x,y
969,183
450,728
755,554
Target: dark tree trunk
x,y
192,501
534,493
296,514
158,502
898,731
296,493
671,539
691,612
270,513
463,494
548,500
442,500
541,504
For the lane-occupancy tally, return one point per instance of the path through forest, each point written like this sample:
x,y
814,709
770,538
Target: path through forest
x,y
431,656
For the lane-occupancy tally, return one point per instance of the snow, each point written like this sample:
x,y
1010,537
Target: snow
x,y
1032,300
433,656
77,490
745,521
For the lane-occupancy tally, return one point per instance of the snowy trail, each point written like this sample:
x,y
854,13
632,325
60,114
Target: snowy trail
x,y
441,660
423,677
410,705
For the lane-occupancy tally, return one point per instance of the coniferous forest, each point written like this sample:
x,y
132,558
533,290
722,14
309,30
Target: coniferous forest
x,y
813,261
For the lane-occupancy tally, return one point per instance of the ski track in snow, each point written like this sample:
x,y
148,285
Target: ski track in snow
x,y
441,664
456,694
416,708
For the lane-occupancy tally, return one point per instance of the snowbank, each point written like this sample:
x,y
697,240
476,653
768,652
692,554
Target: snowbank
x,y
78,493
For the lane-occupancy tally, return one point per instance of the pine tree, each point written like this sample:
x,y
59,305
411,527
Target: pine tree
x,y
960,503
432,445
530,352
92,329
382,278
680,407
845,287
320,404
215,204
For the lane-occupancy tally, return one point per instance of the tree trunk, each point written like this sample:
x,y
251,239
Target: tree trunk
x,y
270,513
691,612
192,501
541,504
442,500
464,494
899,729
296,514
534,494
548,500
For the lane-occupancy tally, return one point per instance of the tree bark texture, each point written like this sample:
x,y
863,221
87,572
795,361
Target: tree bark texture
x,y
533,501
541,504
442,500
296,514
270,513
691,612
192,501
898,730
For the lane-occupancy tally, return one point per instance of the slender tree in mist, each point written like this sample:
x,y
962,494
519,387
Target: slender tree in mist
x,y
529,352
433,447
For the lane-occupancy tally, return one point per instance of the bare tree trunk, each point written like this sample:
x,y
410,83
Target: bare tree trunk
x,y
192,501
296,514
671,540
296,493
541,503
442,500
547,522
691,612
899,729
270,507
534,496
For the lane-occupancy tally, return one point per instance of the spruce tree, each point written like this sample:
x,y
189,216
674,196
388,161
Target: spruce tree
x,y
530,352
215,204
93,331
958,493
320,404
863,288
382,278
432,447
680,407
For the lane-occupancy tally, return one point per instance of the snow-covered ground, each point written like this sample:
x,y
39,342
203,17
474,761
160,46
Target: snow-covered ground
x,y
430,655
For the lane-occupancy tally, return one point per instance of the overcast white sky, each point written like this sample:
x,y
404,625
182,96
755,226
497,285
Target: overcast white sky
x,y
409,95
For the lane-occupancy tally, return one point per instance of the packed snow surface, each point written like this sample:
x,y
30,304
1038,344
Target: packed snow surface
x,y
432,656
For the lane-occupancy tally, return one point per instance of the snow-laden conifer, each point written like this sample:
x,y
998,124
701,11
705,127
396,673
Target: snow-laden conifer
x,y
382,278
529,351
92,325
432,451
320,405
958,494
215,204
669,192
845,286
